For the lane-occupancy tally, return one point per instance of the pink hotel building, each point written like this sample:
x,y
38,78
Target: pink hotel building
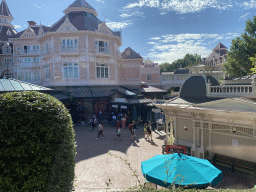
x,y
78,56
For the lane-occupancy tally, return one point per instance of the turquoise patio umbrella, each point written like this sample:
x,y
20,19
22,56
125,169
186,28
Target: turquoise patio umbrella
x,y
181,170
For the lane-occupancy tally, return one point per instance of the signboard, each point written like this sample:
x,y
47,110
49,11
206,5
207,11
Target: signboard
x,y
123,107
156,110
120,100
175,149
115,106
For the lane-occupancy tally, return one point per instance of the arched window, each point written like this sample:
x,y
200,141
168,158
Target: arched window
x,y
7,74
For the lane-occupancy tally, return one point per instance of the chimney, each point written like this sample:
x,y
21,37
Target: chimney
x,y
31,22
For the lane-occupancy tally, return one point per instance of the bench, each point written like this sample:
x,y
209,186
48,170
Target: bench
x,y
235,164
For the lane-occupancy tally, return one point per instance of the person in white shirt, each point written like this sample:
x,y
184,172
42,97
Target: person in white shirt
x,y
100,130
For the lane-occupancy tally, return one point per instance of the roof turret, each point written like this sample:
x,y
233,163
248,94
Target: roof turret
x,y
4,10
81,5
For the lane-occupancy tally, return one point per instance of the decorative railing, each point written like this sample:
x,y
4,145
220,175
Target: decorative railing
x,y
30,52
231,90
102,50
68,48
31,64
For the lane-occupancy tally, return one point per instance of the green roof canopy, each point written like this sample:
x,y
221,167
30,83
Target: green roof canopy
x,y
8,85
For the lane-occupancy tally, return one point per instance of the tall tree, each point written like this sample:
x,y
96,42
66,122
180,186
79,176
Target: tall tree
x,y
186,61
242,48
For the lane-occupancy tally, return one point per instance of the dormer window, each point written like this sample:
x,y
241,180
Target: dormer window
x,y
8,32
128,53
67,28
7,50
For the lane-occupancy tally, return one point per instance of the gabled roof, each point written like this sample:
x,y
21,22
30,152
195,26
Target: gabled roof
x,y
4,10
151,89
91,91
3,35
35,29
45,28
216,55
128,53
81,3
230,104
18,34
220,46
8,85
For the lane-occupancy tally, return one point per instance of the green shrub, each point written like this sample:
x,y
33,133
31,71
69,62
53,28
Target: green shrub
x,y
37,146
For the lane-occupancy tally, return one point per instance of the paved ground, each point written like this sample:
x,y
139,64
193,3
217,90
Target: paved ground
x,y
94,167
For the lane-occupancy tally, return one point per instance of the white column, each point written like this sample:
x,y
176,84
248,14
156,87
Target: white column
x,y
175,129
210,135
202,135
194,133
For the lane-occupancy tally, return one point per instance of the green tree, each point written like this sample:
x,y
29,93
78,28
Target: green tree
x,y
242,49
253,60
37,144
186,61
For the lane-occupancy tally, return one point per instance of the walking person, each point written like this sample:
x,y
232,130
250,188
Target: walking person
x,y
145,130
149,129
92,123
100,130
134,128
119,133
123,122
119,124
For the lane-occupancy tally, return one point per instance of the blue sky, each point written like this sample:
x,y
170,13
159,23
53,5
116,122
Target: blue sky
x,y
162,30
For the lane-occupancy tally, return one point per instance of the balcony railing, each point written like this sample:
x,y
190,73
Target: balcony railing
x,y
9,64
7,53
68,48
31,64
103,50
30,52
231,90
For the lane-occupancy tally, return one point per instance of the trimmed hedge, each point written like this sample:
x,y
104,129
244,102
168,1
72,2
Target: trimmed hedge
x,y
37,145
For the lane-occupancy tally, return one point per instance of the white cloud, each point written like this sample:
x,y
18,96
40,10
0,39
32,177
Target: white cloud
x,y
134,13
152,43
148,3
182,6
101,1
250,5
118,25
171,47
38,7
155,38
17,26
244,16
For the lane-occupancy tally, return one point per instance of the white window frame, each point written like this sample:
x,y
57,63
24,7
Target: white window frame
x,y
27,75
70,71
149,77
36,75
99,69
47,72
66,43
99,49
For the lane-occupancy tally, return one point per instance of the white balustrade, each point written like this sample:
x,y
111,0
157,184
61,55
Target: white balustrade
x,y
68,48
35,51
